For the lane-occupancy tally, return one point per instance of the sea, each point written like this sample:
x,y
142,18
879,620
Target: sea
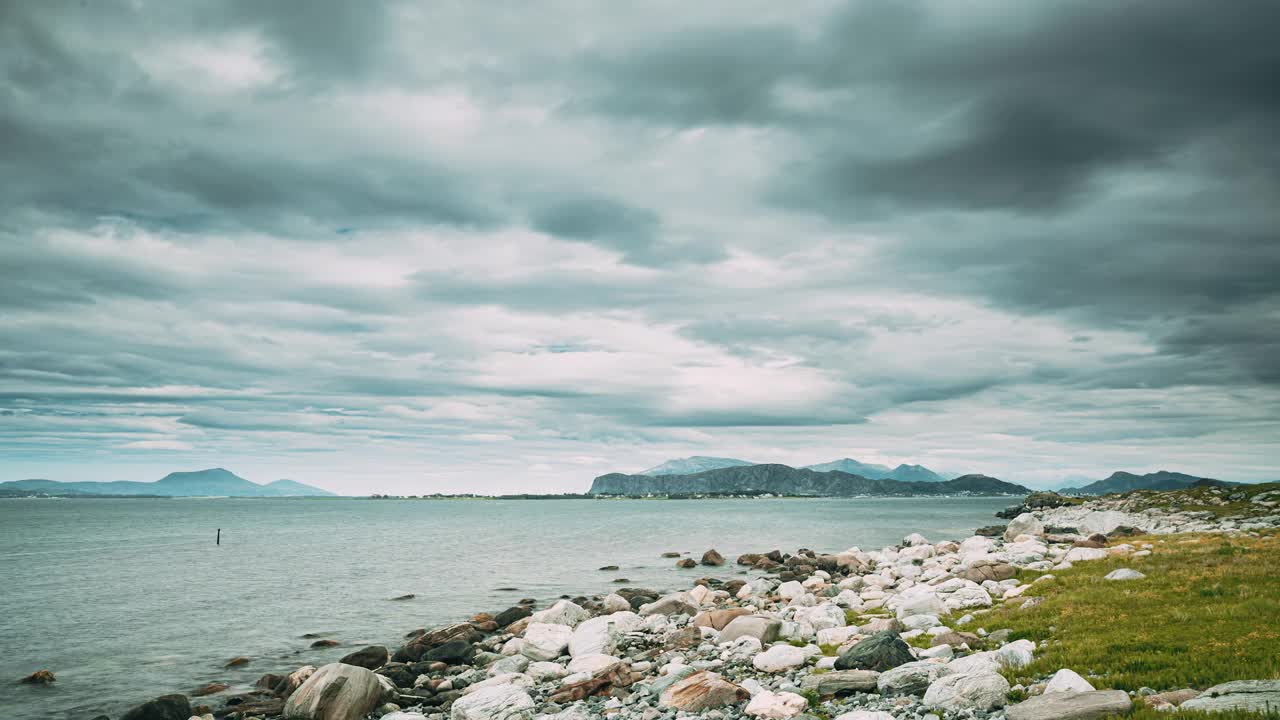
x,y
127,599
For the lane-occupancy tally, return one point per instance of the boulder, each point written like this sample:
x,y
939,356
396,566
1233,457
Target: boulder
x,y
979,662
1249,695
841,682
913,678
712,558
767,704
512,614
978,691
1171,699
686,563
564,612
592,664
1084,554
880,652
1124,574
921,603
598,634
718,619
1072,706
546,641
989,571
1024,524
1067,681
295,679
764,629
779,658
371,657
497,702
212,688
454,652
1016,654
167,707
678,603
700,691
335,692
545,671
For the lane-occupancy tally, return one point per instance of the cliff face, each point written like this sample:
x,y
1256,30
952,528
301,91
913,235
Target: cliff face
x,y
785,480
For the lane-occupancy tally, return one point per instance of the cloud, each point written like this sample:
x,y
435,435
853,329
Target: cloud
x,y
419,248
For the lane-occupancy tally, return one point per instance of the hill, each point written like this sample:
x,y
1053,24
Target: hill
x,y
200,483
694,464
1119,482
785,480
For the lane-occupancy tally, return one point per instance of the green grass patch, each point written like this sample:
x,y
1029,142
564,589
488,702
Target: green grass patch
x,y
829,650
1208,612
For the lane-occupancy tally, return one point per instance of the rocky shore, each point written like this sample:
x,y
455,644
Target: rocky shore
x,y
861,634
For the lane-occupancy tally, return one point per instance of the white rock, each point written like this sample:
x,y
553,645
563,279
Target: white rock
x,y
766,704
978,691
921,603
1084,554
943,651
779,658
614,602
1067,681
546,641
564,612
598,634
592,664
1124,574
516,679
821,617
1016,654
980,662
915,539
790,590
502,702
968,597
546,671
866,715
1024,524
921,622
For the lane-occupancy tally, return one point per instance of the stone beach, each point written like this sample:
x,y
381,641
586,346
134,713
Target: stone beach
x,y
858,634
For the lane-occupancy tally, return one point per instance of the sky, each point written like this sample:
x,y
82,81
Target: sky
x,y
503,247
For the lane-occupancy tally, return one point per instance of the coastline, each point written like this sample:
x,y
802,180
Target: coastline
x,y
677,631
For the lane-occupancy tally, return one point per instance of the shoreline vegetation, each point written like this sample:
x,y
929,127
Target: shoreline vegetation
x,y
1141,605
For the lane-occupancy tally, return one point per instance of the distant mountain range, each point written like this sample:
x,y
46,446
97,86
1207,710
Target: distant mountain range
x,y
785,480
702,463
694,464
215,482
904,472
1119,482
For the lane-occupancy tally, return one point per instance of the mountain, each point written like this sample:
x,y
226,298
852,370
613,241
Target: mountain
x,y
695,464
907,473
784,480
200,483
1119,482
853,467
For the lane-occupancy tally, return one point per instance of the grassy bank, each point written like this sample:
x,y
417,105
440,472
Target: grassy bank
x,y
1208,612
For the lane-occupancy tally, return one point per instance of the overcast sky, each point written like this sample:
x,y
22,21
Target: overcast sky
x,y
503,246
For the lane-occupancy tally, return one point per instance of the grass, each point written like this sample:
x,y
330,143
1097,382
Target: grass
x,y
1208,612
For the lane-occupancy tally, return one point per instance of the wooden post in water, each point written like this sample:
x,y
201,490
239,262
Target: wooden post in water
x,y
219,541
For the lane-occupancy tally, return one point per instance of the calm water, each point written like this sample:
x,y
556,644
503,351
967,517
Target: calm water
x,y
128,599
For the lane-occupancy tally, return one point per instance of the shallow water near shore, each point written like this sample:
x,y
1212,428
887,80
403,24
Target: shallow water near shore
x,y
126,599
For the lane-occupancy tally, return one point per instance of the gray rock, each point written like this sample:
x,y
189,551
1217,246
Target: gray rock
x,y
1251,695
764,629
1072,706
880,652
979,691
335,692
1124,574
168,707
910,679
841,682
